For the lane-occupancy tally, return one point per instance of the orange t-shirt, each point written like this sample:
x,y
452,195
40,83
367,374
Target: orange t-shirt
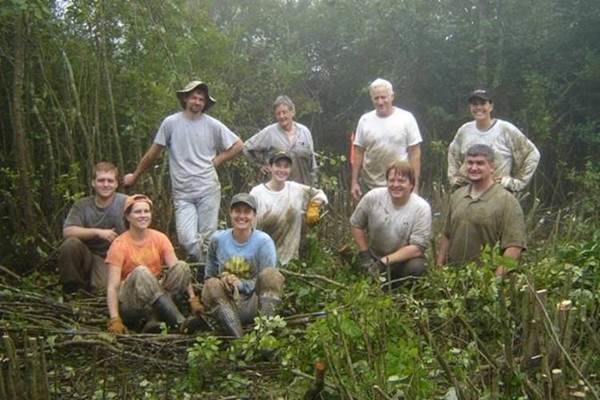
x,y
129,253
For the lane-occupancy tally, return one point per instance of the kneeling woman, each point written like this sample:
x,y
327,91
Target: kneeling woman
x,y
137,288
241,274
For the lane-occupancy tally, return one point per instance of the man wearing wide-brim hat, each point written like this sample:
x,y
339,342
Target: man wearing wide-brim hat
x,y
197,144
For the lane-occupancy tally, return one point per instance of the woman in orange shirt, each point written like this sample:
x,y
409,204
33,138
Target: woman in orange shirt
x,y
137,287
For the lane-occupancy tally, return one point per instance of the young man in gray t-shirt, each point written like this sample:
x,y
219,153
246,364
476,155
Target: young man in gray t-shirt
x,y
197,144
90,227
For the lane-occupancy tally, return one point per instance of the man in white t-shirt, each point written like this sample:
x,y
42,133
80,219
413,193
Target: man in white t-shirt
x,y
383,136
197,144
392,226
516,157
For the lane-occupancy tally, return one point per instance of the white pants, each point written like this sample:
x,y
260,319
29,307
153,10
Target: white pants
x,y
196,220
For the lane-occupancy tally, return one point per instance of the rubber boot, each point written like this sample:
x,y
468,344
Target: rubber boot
x,y
229,320
152,325
168,312
267,305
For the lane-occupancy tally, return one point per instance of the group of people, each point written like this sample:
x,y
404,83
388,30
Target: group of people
x,y
109,244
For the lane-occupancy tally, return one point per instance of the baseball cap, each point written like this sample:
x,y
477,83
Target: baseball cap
x,y
280,155
244,198
479,94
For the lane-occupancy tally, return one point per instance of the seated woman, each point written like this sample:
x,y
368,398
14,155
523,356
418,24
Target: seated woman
x,y
137,288
241,274
392,226
281,204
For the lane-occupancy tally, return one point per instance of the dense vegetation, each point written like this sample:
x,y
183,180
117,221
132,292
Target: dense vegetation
x,y
83,81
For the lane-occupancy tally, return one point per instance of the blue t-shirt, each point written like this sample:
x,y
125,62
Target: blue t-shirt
x,y
245,260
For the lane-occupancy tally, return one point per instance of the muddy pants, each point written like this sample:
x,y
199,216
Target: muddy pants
x,y
80,268
141,288
411,267
269,284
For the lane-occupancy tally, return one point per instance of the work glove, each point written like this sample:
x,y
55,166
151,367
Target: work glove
x,y
230,282
196,306
313,212
365,259
116,326
370,264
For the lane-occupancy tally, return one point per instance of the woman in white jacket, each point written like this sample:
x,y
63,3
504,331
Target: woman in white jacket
x,y
282,204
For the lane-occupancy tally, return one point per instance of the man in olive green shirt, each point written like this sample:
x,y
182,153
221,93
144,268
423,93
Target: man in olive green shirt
x,y
481,213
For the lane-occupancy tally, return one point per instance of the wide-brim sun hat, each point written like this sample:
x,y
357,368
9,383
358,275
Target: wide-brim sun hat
x,y
193,85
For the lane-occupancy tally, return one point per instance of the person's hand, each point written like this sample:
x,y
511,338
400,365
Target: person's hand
x,y
129,180
107,234
196,306
231,280
115,325
313,213
356,192
265,169
365,259
501,271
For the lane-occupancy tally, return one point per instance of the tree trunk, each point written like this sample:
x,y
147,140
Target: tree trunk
x,y
27,220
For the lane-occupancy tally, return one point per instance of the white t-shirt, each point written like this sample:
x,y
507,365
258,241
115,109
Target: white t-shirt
x,y
516,157
280,215
192,146
390,227
384,141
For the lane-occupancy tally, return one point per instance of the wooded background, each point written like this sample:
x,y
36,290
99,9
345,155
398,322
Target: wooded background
x,y
85,81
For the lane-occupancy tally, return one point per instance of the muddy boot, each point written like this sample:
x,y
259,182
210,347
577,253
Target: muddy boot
x,y
152,325
195,324
168,312
267,305
229,320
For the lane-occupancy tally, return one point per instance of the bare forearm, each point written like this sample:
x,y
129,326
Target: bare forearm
x,y
360,237
414,158
147,160
404,253
357,163
112,290
229,153
443,246
80,232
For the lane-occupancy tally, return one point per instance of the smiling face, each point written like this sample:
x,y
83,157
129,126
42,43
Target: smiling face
x,y
284,116
479,169
281,170
399,186
139,215
242,216
382,99
105,183
481,110
195,102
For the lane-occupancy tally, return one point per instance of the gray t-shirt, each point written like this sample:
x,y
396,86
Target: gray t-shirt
x,y
192,146
86,214
390,227
272,139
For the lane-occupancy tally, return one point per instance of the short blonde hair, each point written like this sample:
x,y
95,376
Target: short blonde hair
x,y
401,167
